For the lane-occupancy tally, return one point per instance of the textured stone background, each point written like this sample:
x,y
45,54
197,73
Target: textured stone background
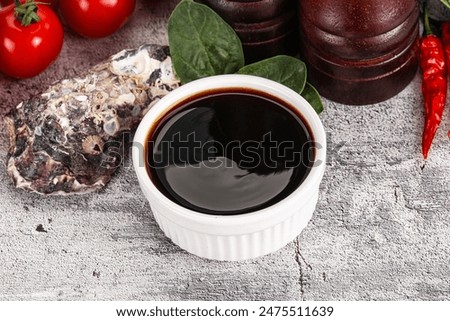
x,y
381,229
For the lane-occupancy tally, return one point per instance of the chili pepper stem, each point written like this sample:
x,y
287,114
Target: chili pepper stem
x,y
426,21
446,3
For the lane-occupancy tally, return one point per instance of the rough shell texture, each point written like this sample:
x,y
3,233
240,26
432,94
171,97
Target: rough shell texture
x,y
68,139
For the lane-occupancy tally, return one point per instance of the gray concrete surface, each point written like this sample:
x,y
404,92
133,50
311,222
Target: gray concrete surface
x,y
381,230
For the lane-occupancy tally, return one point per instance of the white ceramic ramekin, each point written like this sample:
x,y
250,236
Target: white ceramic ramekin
x,y
233,237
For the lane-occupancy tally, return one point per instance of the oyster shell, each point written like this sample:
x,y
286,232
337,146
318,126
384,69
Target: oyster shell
x,y
67,140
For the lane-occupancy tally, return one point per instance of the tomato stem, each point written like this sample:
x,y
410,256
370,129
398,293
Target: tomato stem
x,y
26,12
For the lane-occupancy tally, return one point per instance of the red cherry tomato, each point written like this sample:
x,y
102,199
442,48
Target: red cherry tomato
x,y
27,51
96,18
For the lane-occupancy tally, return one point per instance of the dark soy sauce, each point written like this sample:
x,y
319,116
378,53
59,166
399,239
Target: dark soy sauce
x,y
227,152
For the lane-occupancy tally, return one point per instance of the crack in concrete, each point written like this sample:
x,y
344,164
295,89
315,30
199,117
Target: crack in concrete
x,y
303,259
341,219
396,193
298,259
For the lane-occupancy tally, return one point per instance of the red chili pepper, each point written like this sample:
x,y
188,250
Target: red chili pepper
x,y
434,83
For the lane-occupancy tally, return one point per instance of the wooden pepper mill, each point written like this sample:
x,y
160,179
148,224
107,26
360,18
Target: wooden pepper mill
x,y
359,52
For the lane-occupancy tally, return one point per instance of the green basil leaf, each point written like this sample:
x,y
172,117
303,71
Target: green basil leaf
x,y
312,96
286,70
201,43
